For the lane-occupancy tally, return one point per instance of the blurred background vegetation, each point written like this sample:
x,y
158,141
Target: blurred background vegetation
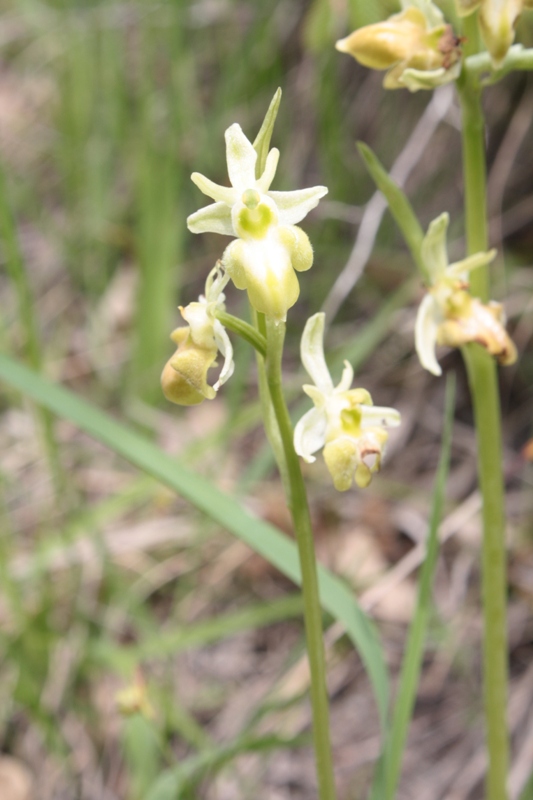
x,y
105,110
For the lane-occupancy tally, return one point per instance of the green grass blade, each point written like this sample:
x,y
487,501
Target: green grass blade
x,y
266,540
166,643
173,782
399,205
388,771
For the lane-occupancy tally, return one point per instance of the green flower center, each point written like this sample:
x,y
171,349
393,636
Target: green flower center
x,y
256,217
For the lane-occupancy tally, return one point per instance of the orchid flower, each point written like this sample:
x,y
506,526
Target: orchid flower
x,y
344,422
416,46
448,314
497,20
184,378
269,245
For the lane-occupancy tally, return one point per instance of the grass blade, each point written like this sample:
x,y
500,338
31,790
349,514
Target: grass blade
x,y
266,540
172,782
167,643
399,205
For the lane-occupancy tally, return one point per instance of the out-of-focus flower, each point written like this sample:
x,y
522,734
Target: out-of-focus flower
x,y
133,699
269,245
497,20
184,377
527,451
344,422
416,46
448,314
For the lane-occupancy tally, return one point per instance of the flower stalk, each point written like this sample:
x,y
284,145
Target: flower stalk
x,y
483,383
299,508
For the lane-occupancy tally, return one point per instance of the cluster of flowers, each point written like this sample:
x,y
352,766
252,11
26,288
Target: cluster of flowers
x,y
419,50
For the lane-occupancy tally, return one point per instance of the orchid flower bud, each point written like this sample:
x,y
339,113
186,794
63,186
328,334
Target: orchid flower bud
x,y
416,46
344,421
184,377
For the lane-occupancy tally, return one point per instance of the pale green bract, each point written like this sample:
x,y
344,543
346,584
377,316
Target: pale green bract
x,y
344,422
269,245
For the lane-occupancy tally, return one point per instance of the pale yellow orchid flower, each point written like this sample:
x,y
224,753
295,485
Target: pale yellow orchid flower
x,y
269,246
344,422
448,314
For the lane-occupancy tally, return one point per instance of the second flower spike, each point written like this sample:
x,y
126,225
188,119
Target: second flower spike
x,y
344,422
269,246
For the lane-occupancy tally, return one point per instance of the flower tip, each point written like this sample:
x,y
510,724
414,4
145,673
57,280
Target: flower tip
x,y
341,45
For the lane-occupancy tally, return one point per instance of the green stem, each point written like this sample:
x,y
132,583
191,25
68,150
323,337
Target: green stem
x,y
299,509
244,330
483,383
475,184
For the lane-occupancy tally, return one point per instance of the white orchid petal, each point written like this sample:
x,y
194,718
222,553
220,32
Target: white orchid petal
x,y
427,323
221,194
310,434
225,347
346,379
294,206
319,398
215,218
372,416
433,251
241,158
200,323
215,284
312,352
462,268
263,184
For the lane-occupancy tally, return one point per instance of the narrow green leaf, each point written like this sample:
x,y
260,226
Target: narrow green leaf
x,y
166,643
172,782
266,540
142,752
388,770
399,205
262,140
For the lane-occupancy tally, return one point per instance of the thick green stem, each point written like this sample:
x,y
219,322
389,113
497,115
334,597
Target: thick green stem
x,y
304,535
475,184
483,382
